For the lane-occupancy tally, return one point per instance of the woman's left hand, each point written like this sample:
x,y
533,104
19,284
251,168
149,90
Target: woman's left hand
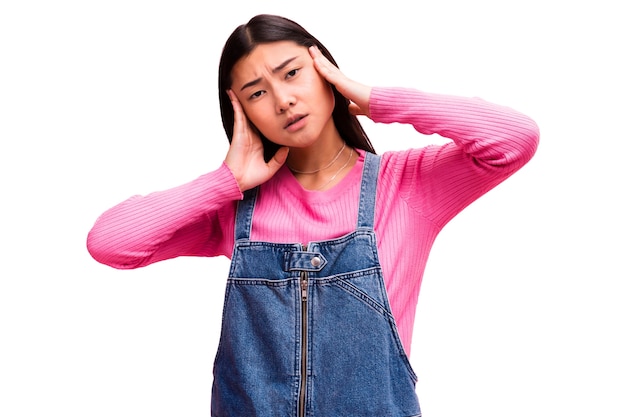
x,y
357,93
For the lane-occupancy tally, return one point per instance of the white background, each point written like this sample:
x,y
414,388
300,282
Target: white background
x,y
522,308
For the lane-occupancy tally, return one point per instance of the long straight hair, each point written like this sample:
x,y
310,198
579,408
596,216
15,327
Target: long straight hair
x,y
263,29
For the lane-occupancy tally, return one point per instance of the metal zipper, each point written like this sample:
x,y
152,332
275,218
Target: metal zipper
x,y
304,286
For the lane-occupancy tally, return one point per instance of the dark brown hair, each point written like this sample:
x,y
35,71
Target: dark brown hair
x,y
266,28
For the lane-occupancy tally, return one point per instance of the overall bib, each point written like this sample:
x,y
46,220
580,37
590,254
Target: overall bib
x,y
307,330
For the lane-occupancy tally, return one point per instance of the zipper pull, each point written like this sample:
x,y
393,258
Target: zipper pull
x,y
304,285
304,281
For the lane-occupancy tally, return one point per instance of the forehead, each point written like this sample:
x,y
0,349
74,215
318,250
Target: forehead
x,y
266,56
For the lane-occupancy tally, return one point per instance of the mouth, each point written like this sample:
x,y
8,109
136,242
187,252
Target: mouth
x,y
294,119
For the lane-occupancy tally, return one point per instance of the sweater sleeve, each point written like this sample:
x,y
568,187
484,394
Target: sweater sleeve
x,y
488,144
193,219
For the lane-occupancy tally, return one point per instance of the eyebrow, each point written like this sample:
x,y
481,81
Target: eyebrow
x,y
275,70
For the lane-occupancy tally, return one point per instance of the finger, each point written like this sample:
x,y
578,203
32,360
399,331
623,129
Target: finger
x,y
232,97
350,89
235,103
326,68
241,123
315,52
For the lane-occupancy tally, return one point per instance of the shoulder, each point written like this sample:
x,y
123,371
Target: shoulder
x,y
397,163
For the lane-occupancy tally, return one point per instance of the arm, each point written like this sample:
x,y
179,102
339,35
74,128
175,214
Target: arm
x,y
489,143
193,219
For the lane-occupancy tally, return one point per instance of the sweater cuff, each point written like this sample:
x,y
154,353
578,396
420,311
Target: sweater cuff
x,y
228,186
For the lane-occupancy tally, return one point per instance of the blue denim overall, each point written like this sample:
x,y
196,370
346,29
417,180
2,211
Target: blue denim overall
x,y
307,329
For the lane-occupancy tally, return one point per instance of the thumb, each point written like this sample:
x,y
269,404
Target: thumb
x,y
356,110
278,159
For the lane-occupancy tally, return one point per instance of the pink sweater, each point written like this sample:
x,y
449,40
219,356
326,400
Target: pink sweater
x,y
419,191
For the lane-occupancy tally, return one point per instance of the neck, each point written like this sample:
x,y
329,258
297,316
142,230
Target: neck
x,y
322,173
319,154
320,161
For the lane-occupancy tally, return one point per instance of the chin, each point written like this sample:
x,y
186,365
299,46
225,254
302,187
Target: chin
x,y
303,144
299,141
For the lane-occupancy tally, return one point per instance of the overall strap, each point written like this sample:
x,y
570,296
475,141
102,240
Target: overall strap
x,y
367,198
245,209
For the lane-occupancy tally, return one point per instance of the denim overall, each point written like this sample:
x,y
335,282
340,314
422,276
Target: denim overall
x,y
307,329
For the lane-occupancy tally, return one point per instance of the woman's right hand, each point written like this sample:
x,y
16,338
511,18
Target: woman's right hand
x,y
245,155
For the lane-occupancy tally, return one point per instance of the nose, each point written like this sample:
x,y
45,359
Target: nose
x,y
284,100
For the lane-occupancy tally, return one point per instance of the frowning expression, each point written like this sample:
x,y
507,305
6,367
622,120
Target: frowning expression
x,y
283,95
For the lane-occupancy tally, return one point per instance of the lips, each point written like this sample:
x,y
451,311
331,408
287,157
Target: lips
x,y
294,119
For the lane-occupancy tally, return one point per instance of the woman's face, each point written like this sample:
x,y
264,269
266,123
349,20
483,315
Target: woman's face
x,y
283,95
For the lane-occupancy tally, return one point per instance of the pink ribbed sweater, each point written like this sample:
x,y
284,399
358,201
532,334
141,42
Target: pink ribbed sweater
x,y
419,191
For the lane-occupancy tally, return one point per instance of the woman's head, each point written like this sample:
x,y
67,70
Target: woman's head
x,y
268,29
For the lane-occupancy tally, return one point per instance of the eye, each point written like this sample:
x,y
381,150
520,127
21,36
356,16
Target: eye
x,y
292,73
256,94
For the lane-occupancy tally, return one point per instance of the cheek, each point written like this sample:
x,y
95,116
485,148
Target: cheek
x,y
325,92
331,97
260,116
256,114
327,99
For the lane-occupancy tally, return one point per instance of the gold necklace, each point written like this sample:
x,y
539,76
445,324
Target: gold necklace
x,y
338,171
323,168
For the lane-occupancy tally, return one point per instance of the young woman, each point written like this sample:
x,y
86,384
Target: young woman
x,y
328,241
